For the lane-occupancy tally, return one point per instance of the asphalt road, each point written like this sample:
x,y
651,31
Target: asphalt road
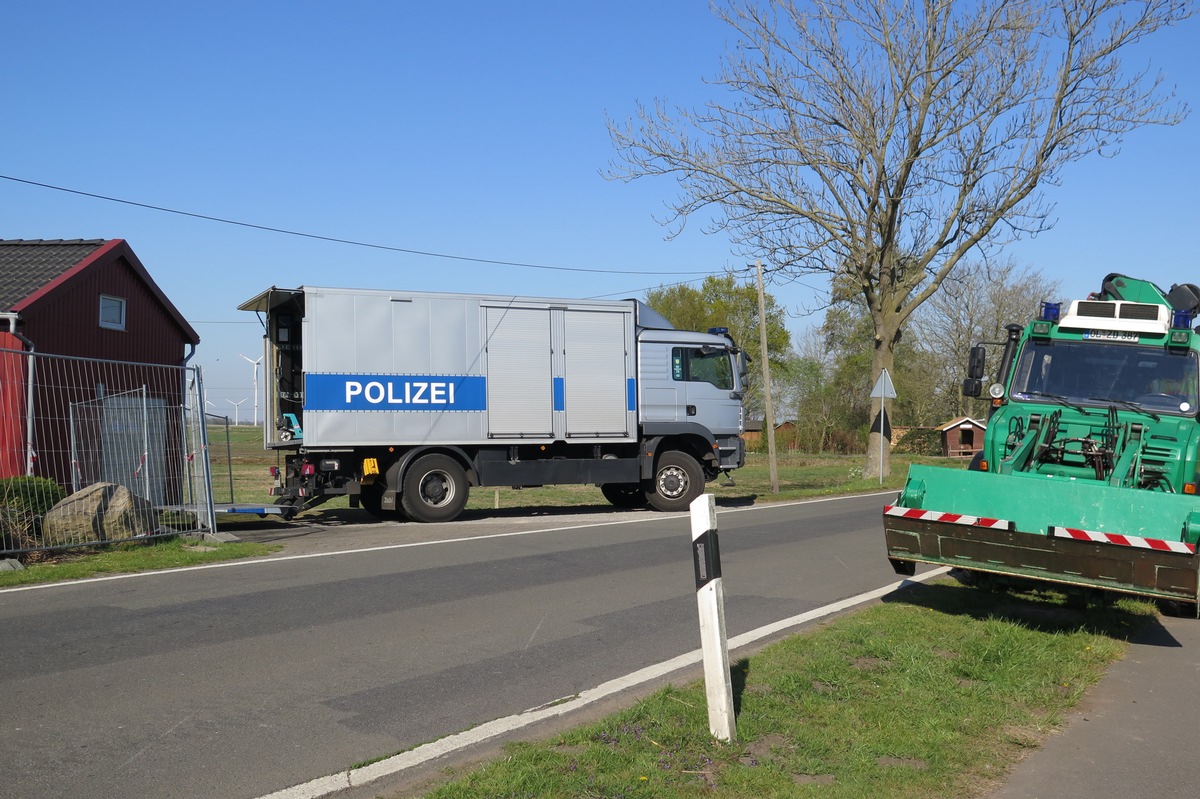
x,y
363,640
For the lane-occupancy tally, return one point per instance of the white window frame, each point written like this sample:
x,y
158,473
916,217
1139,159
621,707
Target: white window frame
x,y
111,302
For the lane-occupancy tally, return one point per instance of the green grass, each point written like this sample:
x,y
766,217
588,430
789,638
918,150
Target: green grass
x,y
244,460
934,693
128,558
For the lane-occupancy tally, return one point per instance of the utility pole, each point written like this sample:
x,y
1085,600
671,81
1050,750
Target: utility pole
x,y
768,408
254,420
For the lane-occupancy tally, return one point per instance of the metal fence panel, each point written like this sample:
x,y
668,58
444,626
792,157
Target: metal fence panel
x,y
220,458
96,451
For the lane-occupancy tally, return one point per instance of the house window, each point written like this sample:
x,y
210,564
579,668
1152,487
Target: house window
x,y
112,312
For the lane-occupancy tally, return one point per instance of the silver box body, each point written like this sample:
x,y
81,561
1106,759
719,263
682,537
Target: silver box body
x,y
409,368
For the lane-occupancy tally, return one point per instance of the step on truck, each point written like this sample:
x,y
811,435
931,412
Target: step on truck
x,y
1088,472
403,401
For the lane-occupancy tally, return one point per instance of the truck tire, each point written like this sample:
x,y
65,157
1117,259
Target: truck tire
x,y
624,495
678,479
435,489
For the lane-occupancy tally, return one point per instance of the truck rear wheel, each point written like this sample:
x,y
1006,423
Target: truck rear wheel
x,y
678,479
435,489
624,495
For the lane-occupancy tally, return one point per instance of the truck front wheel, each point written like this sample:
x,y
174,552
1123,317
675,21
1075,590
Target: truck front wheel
x,y
435,489
678,479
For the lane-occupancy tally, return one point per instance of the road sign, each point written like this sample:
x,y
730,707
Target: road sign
x,y
883,387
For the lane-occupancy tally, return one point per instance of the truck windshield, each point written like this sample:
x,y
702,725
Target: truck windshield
x,y
1100,373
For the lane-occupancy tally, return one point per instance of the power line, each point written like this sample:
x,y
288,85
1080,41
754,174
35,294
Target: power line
x,y
351,242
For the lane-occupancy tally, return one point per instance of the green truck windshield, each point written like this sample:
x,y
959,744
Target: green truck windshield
x,y
1099,372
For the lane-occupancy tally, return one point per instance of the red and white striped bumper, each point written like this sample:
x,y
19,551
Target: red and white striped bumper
x,y
1182,547
946,518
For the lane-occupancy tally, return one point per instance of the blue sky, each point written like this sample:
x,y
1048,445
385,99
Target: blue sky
x,y
464,128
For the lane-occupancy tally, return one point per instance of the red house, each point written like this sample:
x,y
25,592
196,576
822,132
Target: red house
x,y
82,326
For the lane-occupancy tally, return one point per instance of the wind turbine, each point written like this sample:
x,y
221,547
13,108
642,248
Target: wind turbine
x,y
254,421
236,407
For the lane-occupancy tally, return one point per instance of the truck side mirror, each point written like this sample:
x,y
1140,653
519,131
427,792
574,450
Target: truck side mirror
x,y
743,362
975,366
972,387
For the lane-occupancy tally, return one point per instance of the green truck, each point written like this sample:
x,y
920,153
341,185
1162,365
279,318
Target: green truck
x,y
1089,468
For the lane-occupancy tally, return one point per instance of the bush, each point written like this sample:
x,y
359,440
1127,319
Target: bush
x,y
24,501
920,441
844,442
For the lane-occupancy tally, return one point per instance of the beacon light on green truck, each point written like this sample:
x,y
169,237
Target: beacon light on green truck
x,y
1088,471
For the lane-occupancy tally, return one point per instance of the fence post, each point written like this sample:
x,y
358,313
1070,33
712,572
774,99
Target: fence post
x,y
146,444
710,599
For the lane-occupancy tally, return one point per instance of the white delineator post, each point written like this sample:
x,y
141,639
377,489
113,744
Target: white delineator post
x,y
710,598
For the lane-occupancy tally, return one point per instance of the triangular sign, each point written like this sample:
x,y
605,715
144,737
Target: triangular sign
x,y
883,387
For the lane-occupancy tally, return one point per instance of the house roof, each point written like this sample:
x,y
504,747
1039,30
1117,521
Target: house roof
x,y
27,265
32,268
963,420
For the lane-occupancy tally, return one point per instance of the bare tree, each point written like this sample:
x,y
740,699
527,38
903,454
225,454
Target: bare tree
x,y
973,306
880,141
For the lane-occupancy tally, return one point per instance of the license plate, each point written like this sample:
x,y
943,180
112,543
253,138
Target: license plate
x,y
1111,335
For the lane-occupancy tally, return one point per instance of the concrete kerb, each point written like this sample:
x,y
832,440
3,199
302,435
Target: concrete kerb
x,y
421,755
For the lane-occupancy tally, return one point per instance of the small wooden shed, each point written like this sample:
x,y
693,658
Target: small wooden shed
x,y
962,437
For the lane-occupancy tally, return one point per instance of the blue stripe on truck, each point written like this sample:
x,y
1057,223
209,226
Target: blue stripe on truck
x,y
631,394
351,392
560,394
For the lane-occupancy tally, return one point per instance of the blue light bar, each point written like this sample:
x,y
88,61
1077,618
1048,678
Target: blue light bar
x,y
718,331
1050,311
1182,320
